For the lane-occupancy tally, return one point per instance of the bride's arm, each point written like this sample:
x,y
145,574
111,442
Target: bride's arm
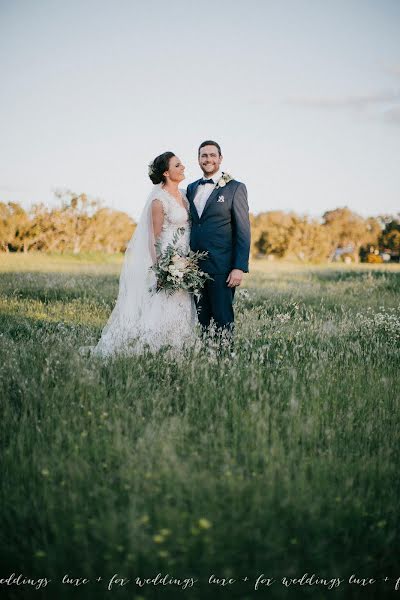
x,y
157,214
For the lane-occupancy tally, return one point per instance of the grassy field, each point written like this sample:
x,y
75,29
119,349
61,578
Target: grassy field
x,y
282,459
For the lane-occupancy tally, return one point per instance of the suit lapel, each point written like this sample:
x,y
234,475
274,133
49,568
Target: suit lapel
x,y
210,199
193,208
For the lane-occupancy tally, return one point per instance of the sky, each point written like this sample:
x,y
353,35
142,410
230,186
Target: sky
x,y
302,95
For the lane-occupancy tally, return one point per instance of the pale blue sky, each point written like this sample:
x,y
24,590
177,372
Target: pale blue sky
x,y
303,96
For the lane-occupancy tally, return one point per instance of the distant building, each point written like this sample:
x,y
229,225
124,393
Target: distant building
x,y
345,254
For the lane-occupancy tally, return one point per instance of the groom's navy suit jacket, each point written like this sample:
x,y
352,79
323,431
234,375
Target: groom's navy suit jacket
x,y
223,228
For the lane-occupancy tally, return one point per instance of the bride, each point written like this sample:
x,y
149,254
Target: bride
x,y
142,319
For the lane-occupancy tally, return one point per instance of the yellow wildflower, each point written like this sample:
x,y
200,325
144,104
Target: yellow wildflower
x,y
204,523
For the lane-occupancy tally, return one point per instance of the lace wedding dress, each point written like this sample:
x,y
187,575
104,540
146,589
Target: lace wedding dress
x,y
142,320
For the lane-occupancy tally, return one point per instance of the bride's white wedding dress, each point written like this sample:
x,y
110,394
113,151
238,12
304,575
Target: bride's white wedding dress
x,y
142,320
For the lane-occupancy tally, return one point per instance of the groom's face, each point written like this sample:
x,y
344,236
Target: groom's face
x,y
209,160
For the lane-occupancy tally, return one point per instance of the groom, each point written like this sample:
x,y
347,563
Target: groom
x,y
220,225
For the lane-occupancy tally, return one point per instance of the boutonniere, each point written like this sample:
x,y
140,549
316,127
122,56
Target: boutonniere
x,y
224,180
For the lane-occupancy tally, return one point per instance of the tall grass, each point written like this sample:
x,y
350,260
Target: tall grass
x,y
282,458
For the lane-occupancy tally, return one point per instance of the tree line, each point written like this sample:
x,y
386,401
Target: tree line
x,y
339,234
80,224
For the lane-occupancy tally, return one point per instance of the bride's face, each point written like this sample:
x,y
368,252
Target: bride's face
x,y
176,170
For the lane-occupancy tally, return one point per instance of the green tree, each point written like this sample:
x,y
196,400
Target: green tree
x,y
308,240
345,228
13,223
273,231
389,239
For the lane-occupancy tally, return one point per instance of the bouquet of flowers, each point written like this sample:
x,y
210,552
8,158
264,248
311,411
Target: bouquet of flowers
x,y
176,271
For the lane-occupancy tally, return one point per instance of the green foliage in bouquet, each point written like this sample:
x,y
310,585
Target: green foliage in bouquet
x,y
176,271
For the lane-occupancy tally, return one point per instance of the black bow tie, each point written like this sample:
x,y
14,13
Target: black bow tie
x,y
204,181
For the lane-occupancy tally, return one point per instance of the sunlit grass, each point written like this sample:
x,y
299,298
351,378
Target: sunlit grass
x,y
282,458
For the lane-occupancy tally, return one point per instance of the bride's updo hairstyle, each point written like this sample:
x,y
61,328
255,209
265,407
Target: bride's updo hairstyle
x,y
159,165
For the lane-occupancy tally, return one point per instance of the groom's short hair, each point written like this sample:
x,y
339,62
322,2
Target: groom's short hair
x,y
210,143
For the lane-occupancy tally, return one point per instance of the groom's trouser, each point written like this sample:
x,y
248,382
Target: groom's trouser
x,y
215,302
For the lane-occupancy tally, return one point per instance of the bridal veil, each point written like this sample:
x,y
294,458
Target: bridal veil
x,y
124,323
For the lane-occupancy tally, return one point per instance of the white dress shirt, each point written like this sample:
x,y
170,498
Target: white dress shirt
x,y
204,191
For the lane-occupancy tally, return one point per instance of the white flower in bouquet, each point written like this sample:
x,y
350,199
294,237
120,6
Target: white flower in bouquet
x,y
176,272
180,262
